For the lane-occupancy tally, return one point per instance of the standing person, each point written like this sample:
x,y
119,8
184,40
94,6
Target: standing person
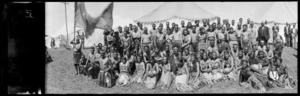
x,y
167,27
212,48
238,33
169,39
141,30
136,35
189,27
233,24
194,37
52,44
186,39
245,37
77,52
294,35
278,42
241,21
160,39
263,33
177,41
197,25
232,38
221,35
126,43
218,21
211,35
130,27
202,44
206,27
182,25
248,22
118,38
286,35
146,38
253,31
153,33
173,27
110,39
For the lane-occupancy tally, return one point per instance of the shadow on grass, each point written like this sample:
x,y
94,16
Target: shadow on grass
x,y
295,55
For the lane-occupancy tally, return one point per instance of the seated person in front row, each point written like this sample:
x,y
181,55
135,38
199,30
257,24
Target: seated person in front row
x,y
228,67
284,80
105,74
166,76
181,78
216,68
247,78
205,68
152,70
138,75
124,76
262,59
194,71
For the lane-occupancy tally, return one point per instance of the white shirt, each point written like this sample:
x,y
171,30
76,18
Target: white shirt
x,y
136,34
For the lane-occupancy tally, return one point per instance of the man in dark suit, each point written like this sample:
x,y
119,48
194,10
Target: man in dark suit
x,y
263,33
286,34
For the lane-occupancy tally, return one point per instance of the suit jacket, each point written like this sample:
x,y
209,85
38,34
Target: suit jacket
x,y
286,31
263,32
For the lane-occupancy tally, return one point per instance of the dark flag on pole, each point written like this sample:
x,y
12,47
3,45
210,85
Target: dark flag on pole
x,y
88,23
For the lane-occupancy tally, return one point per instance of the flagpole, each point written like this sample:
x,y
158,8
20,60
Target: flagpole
x,y
66,24
75,7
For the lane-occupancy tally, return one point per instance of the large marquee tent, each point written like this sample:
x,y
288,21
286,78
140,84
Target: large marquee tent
x,y
176,11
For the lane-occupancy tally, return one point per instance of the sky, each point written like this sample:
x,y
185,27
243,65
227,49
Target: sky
x,y
126,12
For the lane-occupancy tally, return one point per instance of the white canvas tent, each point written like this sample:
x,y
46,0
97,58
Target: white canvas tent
x,y
279,12
175,12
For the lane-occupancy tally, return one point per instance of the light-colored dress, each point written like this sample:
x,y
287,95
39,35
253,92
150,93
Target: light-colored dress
x,y
166,76
150,82
124,74
202,42
181,82
215,64
140,69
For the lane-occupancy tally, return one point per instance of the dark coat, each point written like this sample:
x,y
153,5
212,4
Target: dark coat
x,y
263,32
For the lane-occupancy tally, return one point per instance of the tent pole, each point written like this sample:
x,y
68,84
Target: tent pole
x,y
67,43
75,7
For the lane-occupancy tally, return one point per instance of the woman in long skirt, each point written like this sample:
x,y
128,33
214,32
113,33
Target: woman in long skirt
x,y
205,68
216,68
193,68
124,76
166,76
202,40
151,75
104,77
228,67
181,78
139,72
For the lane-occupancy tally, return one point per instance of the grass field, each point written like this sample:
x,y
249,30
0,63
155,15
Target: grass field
x,y
61,79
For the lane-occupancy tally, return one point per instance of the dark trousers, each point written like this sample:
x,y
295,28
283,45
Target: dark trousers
x,y
287,41
291,41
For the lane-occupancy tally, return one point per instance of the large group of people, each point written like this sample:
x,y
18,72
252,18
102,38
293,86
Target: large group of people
x,y
187,56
